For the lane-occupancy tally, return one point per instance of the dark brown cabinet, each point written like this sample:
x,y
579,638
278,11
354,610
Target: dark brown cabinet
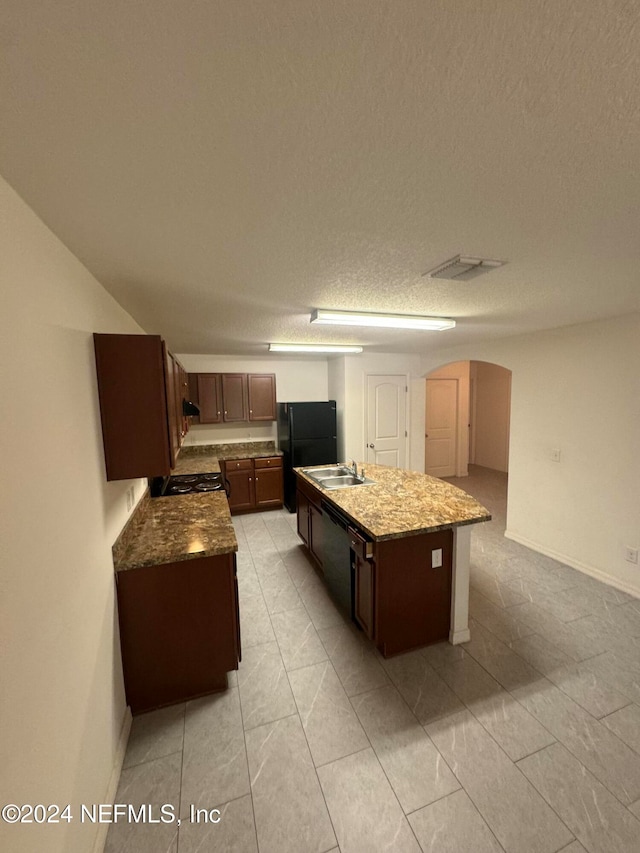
x,y
302,503
268,482
254,483
208,397
134,405
140,387
173,400
363,590
412,598
261,390
316,532
233,397
179,629
239,473
310,523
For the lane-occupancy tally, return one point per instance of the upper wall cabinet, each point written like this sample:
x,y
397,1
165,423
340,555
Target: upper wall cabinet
x,y
141,388
234,397
262,396
208,396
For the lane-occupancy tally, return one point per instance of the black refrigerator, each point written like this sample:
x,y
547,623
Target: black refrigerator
x,y
306,436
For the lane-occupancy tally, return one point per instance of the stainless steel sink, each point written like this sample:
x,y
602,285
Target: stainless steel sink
x,y
336,477
323,473
344,482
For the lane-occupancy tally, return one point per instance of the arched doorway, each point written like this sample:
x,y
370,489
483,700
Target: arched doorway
x,y
467,427
467,418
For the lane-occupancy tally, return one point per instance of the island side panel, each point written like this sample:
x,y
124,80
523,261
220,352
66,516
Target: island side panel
x,y
413,591
459,631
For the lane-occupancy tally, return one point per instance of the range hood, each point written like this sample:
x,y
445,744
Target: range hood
x,y
189,408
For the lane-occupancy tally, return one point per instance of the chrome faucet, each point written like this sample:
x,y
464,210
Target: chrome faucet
x,y
354,471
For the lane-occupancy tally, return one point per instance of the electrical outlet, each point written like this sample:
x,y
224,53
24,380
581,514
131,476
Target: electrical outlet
x,y
436,558
555,455
631,555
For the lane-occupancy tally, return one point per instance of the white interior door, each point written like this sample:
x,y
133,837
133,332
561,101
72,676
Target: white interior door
x,y
386,436
441,427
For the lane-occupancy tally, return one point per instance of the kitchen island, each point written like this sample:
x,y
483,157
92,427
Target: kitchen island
x,y
409,538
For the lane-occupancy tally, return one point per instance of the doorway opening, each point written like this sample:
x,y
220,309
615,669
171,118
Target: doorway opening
x,y
467,418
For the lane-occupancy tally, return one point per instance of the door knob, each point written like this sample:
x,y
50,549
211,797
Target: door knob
x,y
371,445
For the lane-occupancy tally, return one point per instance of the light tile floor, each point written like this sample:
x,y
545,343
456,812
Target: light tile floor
x,y
525,739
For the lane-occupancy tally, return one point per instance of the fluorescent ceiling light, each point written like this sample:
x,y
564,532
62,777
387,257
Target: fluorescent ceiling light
x,y
313,348
387,321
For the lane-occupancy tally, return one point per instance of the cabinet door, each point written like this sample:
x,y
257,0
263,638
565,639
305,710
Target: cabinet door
x,y
241,484
172,416
209,398
269,490
364,594
316,532
302,505
261,389
178,395
133,405
178,630
234,397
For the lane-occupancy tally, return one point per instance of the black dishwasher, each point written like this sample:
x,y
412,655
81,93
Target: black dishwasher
x,y
336,557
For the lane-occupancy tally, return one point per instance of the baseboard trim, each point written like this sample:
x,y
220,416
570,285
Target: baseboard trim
x,y
110,796
575,564
457,637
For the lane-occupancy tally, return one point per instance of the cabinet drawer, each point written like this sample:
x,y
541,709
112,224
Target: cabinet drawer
x,y
238,464
361,546
268,462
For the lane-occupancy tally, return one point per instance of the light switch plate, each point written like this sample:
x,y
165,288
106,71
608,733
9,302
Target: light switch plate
x,y
436,558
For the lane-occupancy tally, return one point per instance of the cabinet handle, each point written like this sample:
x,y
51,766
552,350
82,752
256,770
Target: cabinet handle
x,y
250,411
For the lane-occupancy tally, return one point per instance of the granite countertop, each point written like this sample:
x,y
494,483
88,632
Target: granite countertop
x,y
206,458
180,527
402,503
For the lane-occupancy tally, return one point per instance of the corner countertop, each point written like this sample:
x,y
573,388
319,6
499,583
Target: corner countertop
x,y
180,527
206,458
402,503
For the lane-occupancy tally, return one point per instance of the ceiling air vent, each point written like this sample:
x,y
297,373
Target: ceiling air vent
x,y
463,269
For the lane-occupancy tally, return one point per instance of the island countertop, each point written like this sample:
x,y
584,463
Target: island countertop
x,y
175,528
401,503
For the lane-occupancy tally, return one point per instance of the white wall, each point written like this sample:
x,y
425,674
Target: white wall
x,y
62,705
336,383
576,389
491,415
297,380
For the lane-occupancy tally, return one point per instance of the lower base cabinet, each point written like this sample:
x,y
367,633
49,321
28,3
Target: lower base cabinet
x,y
179,630
254,484
310,525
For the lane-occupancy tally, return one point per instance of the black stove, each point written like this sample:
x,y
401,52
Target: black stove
x,y
188,484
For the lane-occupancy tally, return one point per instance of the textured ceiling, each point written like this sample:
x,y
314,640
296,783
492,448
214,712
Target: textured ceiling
x,y
224,167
